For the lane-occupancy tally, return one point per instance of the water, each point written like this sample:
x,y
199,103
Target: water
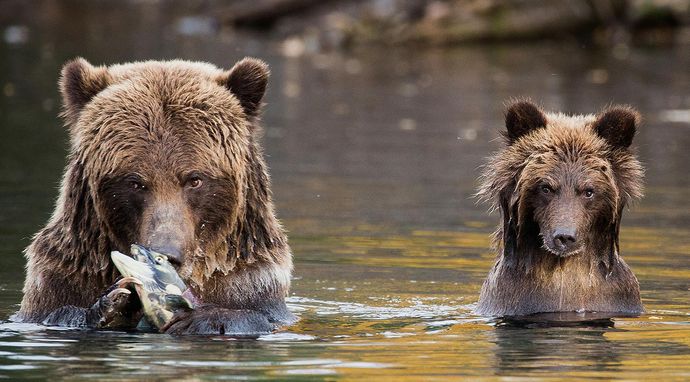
x,y
374,155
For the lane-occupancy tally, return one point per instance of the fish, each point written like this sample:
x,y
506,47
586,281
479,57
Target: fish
x,y
157,283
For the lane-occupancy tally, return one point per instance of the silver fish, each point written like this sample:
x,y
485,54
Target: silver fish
x,y
160,288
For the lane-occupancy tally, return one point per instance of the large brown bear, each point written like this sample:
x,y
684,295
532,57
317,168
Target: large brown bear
x,y
561,185
164,154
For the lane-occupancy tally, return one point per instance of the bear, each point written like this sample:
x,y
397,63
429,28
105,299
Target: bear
x,y
165,154
561,183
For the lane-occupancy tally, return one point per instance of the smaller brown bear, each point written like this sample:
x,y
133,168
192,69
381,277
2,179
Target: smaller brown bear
x,y
561,184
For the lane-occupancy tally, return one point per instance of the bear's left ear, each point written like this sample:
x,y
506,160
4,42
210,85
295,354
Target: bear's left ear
x,y
79,83
522,117
617,125
247,80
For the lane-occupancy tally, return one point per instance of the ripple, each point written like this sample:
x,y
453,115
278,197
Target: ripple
x,y
231,364
309,372
286,336
329,366
20,357
365,365
417,309
24,327
396,334
31,344
20,327
310,362
18,367
435,324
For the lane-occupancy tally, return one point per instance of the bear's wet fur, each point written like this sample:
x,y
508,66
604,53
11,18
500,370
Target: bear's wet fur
x,y
164,154
561,184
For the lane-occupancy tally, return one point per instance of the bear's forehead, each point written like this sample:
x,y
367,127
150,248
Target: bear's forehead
x,y
165,157
148,87
152,102
163,109
567,146
571,138
157,125
172,115
167,88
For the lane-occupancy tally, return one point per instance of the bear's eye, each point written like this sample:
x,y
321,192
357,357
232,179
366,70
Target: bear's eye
x,y
194,182
545,189
588,193
135,183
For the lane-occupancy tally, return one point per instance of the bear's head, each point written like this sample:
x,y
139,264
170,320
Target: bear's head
x,y
165,154
562,181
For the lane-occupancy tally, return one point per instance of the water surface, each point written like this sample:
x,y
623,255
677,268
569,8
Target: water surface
x,y
374,156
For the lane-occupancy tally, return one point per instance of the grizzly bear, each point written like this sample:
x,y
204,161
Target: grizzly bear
x,y
165,154
561,184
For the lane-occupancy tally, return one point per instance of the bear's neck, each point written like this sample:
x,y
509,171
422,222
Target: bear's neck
x,y
594,260
543,282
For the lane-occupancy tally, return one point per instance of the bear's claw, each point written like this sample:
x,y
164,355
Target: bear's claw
x,y
119,308
127,282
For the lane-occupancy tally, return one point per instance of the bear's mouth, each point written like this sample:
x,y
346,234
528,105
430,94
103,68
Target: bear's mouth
x,y
175,263
560,252
563,253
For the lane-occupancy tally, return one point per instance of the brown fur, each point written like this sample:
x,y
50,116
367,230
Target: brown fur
x,y
163,154
561,184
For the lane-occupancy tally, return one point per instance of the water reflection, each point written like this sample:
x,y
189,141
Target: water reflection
x,y
569,350
559,319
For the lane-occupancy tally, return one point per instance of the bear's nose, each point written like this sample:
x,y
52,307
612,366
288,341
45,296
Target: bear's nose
x,y
564,239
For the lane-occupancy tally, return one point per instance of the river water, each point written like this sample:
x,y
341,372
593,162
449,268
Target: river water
x,y
374,156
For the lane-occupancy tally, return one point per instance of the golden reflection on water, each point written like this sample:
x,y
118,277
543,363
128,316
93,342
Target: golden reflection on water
x,y
394,304
454,342
425,249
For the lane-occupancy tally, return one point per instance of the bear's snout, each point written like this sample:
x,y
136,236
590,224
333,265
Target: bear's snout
x,y
564,239
168,229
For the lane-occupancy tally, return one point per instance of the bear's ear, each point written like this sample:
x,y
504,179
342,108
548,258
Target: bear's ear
x,y
521,118
79,83
247,80
617,125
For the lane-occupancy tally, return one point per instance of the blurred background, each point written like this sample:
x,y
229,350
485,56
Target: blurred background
x,y
379,114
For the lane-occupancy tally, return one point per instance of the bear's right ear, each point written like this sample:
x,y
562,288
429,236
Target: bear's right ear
x,y
521,118
79,83
247,80
617,125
